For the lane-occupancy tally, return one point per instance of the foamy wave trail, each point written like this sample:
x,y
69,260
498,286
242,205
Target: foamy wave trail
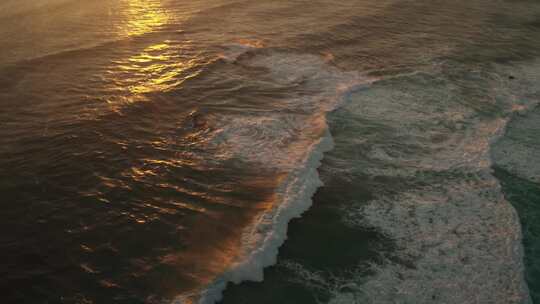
x,y
290,139
453,228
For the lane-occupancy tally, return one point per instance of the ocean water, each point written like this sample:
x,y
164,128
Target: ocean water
x,y
231,152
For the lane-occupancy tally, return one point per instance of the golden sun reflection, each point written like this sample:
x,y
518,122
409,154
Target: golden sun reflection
x,y
159,67
143,16
145,66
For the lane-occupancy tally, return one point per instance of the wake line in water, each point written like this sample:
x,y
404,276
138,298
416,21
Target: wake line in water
x,y
292,139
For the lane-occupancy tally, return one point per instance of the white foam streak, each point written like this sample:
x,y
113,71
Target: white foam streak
x,y
262,241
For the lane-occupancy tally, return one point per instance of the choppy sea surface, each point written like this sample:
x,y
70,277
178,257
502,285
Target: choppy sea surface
x,y
234,152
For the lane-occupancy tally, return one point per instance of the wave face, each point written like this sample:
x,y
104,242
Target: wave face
x,y
217,151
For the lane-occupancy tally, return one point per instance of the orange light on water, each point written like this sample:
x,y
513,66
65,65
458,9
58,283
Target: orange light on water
x,y
143,17
159,67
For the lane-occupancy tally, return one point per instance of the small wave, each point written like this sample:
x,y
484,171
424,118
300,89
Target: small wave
x,y
94,49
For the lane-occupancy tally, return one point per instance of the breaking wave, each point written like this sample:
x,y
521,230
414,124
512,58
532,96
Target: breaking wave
x,y
290,139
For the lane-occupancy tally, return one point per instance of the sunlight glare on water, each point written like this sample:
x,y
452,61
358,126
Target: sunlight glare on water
x,y
143,17
158,67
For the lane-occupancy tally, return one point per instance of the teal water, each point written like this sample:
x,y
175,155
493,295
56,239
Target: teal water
x,y
525,196
516,156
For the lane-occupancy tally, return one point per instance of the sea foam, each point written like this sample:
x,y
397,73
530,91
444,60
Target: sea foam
x,y
458,240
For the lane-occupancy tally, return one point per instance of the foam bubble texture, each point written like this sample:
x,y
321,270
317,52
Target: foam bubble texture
x,y
458,240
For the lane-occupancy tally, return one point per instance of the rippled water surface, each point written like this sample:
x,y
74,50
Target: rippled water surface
x,y
157,151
